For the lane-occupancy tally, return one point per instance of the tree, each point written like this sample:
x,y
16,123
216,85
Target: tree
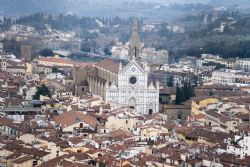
x,y
46,52
12,46
217,66
186,91
211,93
191,89
170,81
55,70
42,90
178,99
107,51
86,47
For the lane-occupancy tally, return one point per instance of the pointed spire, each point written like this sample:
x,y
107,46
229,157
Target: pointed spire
x,y
134,43
120,66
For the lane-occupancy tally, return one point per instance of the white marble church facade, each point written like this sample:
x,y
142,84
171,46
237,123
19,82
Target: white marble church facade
x,y
133,89
128,86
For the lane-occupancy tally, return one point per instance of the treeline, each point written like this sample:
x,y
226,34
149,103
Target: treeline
x,y
70,22
12,46
232,42
216,66
61,22
5,24
227,49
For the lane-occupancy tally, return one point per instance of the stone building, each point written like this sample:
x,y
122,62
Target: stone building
x,y
177,112
3,64
80,78
125,83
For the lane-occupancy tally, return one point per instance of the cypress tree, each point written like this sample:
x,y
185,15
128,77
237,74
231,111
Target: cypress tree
x,y
170,81
178,95
186,91
191,89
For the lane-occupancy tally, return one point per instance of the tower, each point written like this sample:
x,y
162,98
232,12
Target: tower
x,y
26,52
3,64
134,49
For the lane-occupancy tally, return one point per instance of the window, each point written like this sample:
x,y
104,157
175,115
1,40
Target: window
x,y
179,116
82,89
34,163
81,125
132,80
126,121
150,111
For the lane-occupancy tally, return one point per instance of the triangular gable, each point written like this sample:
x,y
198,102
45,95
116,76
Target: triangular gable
x,y
113,86
133,66
151,86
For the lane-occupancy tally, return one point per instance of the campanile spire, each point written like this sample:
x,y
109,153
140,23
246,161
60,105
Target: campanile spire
x,y
134,43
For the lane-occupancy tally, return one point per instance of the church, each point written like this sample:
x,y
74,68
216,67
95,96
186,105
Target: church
x,y
125,83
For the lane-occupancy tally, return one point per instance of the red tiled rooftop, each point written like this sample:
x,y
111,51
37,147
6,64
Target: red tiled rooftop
x,y
64,61
109,64
73,117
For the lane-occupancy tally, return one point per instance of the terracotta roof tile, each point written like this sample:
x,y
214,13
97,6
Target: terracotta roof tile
x,y
73,117
23,159
110,65
64,61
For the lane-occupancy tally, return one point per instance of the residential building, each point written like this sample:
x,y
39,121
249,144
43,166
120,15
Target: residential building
x,y
243,64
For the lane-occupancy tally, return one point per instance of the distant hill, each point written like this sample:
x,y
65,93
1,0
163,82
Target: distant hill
x,y
92,8
242,3
24,7
102,8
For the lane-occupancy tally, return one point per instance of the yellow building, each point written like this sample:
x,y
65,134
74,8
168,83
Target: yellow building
x,y
50,147
76,149
53,61
122,120
29,68
152,131
23,161
200,102
182,131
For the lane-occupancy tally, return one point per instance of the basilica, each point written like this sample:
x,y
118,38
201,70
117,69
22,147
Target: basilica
x,y
125,83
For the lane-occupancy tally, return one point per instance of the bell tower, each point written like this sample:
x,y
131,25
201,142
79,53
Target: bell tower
x,y
134,49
